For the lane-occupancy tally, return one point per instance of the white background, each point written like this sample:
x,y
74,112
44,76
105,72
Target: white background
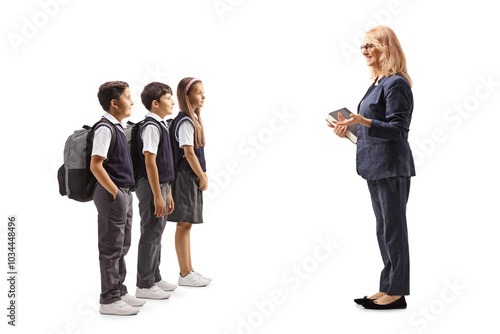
x,y
292,192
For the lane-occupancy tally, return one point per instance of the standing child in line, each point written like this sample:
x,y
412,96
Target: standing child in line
x,y
153,189
113,170
190,178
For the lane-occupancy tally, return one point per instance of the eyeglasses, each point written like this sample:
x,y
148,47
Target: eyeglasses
x,y
367,47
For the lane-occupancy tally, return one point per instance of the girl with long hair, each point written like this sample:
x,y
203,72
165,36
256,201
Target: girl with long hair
x,y
190,177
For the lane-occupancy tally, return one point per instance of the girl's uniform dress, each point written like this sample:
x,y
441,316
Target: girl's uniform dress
x,y
187,197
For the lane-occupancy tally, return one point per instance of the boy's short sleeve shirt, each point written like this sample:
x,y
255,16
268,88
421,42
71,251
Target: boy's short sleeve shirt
x,y
186,133
151,135
102,138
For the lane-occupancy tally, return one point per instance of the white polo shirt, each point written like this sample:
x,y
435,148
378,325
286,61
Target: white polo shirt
x,y
151,134
102,137
186,132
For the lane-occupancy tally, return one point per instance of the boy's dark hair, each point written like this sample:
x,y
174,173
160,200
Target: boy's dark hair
x,y
110,90
154,91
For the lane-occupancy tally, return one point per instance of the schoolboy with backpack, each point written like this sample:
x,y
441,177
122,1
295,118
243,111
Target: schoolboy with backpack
x,y
151,143
112,197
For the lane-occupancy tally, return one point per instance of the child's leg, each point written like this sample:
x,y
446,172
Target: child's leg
x,y
148,256
189,249
128,209
113,233
183,247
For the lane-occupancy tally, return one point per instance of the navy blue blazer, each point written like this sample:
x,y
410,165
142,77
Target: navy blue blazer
x,y
383,150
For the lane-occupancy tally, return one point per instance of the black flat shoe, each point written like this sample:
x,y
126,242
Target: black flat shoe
x,y
397,304
361,301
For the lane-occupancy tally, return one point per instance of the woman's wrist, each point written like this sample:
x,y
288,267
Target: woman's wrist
x,y
366,122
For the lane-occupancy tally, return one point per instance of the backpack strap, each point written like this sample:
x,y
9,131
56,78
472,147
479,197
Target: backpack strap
x,y
175,138
169,123
182,120
106,122
150,120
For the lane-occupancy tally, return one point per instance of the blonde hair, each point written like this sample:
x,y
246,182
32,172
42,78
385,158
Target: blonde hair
x,y
392,58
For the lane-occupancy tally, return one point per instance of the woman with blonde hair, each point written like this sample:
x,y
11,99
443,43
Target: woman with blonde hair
x,y
384,159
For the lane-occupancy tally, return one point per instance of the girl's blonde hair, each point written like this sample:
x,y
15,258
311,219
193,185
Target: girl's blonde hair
x,y
185,105
392,58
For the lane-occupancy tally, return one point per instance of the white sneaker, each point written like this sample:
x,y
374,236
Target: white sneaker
x,y
192,279
118,308
199,274
132,301
153,292
164,285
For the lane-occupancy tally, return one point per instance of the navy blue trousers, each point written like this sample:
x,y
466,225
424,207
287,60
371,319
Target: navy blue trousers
x,y
389,197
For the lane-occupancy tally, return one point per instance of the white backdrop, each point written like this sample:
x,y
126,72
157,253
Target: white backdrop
x,y
289,233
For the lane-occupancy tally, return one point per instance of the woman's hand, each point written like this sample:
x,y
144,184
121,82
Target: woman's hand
x,y
355,119
339,129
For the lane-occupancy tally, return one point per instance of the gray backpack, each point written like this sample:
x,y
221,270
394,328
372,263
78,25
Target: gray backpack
x,y
75,178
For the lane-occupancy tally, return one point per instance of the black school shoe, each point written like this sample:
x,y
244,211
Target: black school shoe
x,y
397,304
361,301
